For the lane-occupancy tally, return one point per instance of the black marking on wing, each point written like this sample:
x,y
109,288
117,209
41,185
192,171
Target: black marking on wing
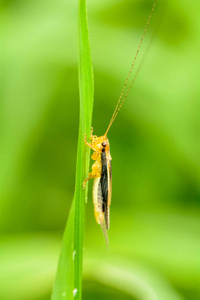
x,y
110,171
109,194
104,184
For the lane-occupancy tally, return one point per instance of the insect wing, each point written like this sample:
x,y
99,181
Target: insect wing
x,y
106,187
109,193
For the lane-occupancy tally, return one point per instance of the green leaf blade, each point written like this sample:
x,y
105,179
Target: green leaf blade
x,y
68,283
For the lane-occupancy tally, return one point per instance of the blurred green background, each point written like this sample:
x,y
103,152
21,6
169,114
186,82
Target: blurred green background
x,y
155,225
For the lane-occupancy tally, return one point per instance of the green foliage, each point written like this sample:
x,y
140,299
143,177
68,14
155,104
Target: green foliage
x,y
155,210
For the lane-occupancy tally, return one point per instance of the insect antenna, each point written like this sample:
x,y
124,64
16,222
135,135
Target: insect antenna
x,y
121,100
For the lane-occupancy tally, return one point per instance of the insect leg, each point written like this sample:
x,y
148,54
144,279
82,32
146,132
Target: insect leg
x,y
91,175
91,134
89,145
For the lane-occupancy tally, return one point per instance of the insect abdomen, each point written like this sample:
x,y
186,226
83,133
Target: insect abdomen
x,y
98,200
98,206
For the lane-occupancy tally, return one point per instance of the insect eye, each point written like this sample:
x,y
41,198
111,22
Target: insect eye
x,y
104,144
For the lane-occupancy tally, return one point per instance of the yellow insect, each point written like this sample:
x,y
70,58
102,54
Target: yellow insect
x,y
101,169
102,174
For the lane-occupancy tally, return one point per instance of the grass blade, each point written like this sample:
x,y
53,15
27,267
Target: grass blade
x,y
68,283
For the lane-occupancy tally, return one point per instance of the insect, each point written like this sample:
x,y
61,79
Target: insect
x,y
102,169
